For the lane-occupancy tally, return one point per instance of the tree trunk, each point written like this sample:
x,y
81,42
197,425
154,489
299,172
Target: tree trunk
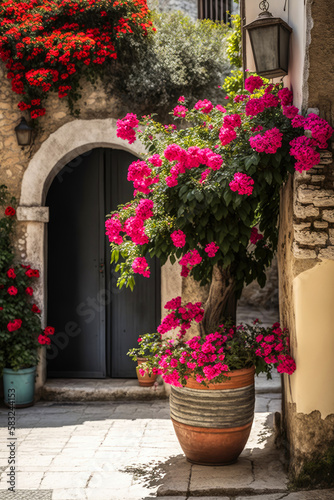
x,y
221,304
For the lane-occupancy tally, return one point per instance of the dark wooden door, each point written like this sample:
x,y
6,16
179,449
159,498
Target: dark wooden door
x,y
95,322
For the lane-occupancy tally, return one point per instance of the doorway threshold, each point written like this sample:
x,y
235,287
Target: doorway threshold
x,y
109,389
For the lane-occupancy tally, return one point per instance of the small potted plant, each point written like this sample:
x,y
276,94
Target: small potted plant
x,y
146,356
21,334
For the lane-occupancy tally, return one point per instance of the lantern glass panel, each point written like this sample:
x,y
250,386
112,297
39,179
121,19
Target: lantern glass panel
x,y
23,137
264,42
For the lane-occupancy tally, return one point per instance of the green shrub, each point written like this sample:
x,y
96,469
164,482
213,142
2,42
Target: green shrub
x,y
185,58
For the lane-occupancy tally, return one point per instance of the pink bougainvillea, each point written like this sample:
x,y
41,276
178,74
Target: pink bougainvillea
x,y
178,238
242,183
211,249
252,83
140,266
204,106
126,128
227,135
267,143
255,236
303,150
180,111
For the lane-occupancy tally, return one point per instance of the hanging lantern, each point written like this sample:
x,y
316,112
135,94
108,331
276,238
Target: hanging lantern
x,y
23,133
269,37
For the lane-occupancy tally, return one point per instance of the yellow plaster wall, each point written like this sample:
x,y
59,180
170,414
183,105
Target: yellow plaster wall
x,y
312,385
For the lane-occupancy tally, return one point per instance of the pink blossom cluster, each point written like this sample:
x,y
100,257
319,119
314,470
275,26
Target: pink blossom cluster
x,y
274,349
290,111
180,111
140,174
155,160
254,106
144,209
205,106
227,132
211,249
180,316
219,107
113,228
255,236
240,98
191,259
140,266
252,83
285,96
267,143
134,228
303,150
186,160
320,128
204,175
232,121
126,126
178,238
242,183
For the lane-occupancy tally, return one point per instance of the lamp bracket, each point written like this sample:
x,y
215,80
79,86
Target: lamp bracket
x,y
264,5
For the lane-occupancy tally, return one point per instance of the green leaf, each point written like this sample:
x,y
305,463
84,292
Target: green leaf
x,y
268,176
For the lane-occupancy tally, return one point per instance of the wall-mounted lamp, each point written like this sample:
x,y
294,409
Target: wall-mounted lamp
x,y
23,133
269,38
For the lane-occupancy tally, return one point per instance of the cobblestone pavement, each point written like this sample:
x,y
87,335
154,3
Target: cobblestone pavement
x,y
128,451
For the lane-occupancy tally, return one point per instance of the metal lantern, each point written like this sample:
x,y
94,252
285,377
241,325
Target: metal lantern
x,y
23,133
269,38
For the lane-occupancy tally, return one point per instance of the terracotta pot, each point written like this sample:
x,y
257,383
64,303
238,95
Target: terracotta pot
x,y
144,380
213,423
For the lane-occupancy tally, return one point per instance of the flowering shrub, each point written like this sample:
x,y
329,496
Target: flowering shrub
x,y
211,358
20,323
211,182
49,45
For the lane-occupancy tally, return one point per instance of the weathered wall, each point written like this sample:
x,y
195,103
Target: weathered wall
x,y
306,253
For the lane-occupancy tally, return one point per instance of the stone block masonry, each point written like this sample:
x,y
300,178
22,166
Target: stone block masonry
x,y
314,211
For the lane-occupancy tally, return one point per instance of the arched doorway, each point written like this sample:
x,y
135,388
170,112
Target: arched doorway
x,y
96,323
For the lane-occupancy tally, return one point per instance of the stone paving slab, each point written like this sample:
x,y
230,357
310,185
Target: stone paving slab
x,y
100,390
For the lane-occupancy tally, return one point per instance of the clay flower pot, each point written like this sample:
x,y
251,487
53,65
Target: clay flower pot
x,y
144,380
213,423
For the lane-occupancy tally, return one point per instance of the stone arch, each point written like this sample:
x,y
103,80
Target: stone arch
x,y
62,146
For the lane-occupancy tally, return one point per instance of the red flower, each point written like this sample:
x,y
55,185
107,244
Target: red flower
x,y
43,339
1,308
29,290
32,273
11,273
10,211
12,290
49,330
14,325
35,309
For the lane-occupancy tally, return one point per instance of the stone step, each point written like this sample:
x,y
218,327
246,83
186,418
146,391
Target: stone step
x,y
262,385
99,390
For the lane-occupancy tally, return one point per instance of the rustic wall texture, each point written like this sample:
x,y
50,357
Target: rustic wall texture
x,y
306,268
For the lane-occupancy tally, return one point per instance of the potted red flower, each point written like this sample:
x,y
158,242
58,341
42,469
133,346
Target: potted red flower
x,y
21,333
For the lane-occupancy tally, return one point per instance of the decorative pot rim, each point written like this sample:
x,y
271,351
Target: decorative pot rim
x,y
20,371
238,378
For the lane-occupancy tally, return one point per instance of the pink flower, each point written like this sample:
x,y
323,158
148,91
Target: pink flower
x,y
179,238
140,266
180,111
211,249
270,101
192,258
252,83
140,174
155,160
126,126
144,209
214,161
242,183
303,150
204,106
320,128
181,98
287,365
232,121
12,326
255,236
204,175
298,121
227,135
113,228
290,111
220,108
173,152
134,228
254,107
286,96
268,143
173,304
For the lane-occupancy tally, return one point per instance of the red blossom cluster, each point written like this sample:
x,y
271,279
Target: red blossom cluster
x,y
242,183
48,45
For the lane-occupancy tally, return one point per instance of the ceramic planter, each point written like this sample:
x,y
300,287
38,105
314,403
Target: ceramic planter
x,y
21,384
213,423
144,380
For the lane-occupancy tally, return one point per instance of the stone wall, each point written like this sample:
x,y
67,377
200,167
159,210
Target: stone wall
x,y
306,257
